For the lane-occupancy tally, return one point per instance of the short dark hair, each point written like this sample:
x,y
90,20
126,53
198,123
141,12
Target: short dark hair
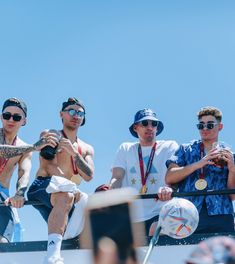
x,y
210,110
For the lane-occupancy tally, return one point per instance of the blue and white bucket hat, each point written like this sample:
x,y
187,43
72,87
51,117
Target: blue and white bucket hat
x,y
146,114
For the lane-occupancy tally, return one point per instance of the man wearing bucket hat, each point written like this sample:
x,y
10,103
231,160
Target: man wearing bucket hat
x,y
141,164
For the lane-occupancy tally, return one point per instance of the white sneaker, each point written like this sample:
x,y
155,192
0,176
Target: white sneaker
x,y
53,260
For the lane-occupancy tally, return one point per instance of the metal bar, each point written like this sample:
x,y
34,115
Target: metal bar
x,y
152,244
196,193
25,203
154,195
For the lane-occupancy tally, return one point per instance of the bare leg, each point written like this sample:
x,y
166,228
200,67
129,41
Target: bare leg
x,y
57,221
62,203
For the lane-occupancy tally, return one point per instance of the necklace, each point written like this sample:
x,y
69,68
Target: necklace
x,y
201,183
75,169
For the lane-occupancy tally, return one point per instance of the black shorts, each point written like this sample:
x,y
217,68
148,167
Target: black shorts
x,y
37,192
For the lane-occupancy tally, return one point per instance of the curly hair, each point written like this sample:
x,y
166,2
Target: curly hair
x,y
210,110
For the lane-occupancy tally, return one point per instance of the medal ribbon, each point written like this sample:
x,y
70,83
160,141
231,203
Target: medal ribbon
x,y
149,165
202,154
75,169
3,162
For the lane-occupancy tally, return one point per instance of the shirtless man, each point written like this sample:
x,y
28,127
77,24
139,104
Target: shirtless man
x,y
73,160
13,151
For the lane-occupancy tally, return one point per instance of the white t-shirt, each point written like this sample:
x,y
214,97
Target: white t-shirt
x,y
128,159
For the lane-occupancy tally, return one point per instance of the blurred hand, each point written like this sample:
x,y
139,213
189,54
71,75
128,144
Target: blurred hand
x,y
107,253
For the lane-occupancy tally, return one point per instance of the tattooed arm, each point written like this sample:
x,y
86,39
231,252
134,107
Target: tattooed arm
x,y
85,165
9,151
24,168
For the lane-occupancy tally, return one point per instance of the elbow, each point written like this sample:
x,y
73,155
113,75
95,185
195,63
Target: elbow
x,y
87,179
168,179
88,176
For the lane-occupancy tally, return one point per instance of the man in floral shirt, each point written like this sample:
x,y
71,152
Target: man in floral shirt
x,y
200,165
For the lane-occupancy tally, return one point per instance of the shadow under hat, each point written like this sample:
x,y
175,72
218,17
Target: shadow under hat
x,y
146,114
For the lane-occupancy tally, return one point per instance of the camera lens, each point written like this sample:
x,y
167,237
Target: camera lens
x,y
48,152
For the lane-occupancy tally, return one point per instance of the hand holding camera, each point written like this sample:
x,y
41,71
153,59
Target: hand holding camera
x,y
53,137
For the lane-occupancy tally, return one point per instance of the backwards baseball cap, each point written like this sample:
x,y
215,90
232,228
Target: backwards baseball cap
x,y
15,102
146,114
74,101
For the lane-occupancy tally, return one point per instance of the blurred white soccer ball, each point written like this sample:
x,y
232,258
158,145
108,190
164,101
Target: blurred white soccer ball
x,y
178,218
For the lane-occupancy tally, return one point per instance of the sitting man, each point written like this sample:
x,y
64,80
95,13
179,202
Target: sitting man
x,y
199,166
71,161
141,164
13,151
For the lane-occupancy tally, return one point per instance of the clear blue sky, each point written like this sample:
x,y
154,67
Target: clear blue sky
x,y
117,57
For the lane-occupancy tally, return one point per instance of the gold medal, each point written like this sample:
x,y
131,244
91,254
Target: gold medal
x,y
201,184
143,189
76,179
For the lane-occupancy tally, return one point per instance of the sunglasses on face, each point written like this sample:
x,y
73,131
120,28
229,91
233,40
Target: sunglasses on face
x,y
73,112
15,117
145,123
209,126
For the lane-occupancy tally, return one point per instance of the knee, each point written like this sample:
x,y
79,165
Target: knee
x,y
63,200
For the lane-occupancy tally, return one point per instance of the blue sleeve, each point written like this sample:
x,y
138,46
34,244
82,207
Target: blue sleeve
x,y
177,158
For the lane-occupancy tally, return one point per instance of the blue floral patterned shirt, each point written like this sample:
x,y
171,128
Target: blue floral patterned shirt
x,y
216,179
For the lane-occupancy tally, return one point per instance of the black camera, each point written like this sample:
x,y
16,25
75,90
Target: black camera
x,y
49,152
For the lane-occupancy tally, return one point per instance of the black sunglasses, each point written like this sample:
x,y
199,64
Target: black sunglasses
x,y
209,126
73,112
15,117
145,123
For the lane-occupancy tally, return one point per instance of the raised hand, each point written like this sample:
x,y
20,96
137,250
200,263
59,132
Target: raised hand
x,y
65,144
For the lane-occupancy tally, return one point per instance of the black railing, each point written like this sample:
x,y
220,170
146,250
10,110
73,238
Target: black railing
x,y
154,195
